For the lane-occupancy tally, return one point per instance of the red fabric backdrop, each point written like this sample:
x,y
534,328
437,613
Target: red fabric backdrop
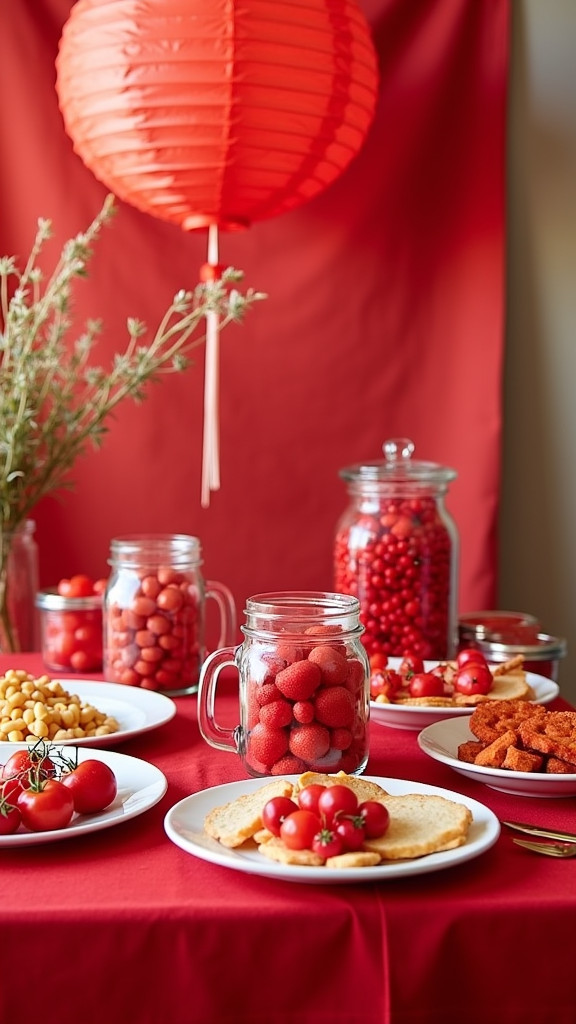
x,y
384,316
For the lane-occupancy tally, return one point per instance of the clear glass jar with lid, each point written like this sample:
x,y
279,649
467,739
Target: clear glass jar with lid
x,y
396,550
155,612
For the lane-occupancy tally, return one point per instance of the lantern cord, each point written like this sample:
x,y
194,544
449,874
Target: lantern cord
x,y
211,439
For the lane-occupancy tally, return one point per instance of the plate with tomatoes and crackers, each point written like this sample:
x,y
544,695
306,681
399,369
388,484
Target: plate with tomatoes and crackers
x,y
410,693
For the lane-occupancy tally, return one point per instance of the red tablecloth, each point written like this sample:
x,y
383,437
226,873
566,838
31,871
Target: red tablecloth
x,y
122,926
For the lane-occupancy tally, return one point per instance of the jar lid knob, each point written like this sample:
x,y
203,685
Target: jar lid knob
x,y
398,448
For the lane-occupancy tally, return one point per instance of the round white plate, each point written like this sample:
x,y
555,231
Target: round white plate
x,y
136,710
441,741
184,825
140,786
418,716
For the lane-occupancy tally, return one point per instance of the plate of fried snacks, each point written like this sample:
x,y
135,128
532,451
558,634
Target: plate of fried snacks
x,y
428,829
393,687
76,712
513,746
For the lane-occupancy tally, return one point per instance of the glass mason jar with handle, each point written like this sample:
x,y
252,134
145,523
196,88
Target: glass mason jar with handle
x,y
154,613
396,550
303,686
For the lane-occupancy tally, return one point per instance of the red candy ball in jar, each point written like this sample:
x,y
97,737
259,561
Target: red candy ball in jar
x,y
154,613
71,624
396,550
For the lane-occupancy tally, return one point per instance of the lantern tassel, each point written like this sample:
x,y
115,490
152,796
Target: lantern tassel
x,y
211,439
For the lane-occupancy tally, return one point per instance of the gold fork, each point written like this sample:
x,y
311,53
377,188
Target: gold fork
x,y
562,850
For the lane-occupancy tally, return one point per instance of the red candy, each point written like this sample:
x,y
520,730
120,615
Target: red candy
x,y
151,632
397,562
71,618
309,714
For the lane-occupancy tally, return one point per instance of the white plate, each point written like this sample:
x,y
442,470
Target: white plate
x,y
441,741
417,716
136,710
184,825
140,786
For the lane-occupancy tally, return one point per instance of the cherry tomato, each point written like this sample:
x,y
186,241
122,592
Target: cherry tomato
x,y
10,817
77,586
473,678
47,806
410,664
376,818
378,662
327,843
470,655
27,765
92,785
425,684
309,796
298,830
275,811
386,683
352,832
336,802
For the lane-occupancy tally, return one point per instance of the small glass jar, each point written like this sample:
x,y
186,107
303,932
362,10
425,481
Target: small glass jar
x,y
155,613
304,686
19,620
541,651
477,625
70,631
396,550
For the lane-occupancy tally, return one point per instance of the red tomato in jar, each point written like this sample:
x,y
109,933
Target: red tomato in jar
x,y
469,655
426,684
77,586
46,807
92,785
473,678
410,665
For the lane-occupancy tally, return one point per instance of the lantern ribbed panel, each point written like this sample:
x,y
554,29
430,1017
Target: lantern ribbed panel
x,y
216,111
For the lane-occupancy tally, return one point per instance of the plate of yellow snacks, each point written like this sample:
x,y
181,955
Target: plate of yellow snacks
x,y
429,829
512,746
76,711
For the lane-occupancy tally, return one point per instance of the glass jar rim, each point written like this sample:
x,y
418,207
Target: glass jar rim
x,y
283,612
151,548
50,600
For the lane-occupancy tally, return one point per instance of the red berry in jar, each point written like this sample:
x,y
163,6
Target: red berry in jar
x,y
396,550
154,613
71,625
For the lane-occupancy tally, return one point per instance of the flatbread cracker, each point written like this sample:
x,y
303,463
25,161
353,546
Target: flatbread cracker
x,y
421,824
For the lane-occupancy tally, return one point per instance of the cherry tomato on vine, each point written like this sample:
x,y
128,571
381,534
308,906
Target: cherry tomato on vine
x,y
275,811
425,684
327,843
472,679
352,832
309,796
386,682
47,806
410,664
298,830
92,785
27,765
470,655
10,818
336,802
376,818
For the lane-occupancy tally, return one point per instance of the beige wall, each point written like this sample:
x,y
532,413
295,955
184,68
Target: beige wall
x,y
538,513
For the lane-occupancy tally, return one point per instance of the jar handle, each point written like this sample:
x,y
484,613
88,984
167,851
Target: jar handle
x,y
214,734
227,608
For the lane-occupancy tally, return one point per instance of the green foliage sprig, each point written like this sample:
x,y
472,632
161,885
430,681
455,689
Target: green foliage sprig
x,y
53,402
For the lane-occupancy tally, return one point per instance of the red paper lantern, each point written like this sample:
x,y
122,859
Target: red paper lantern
x,y
216,111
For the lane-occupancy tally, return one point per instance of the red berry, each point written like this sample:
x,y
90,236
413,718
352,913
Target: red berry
x,y
266,745
277,714
299,680
331,662
309,742
334,706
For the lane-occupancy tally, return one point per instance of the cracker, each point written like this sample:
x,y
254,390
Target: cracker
x,y
421,824
363,788
238,820
275,850
358,859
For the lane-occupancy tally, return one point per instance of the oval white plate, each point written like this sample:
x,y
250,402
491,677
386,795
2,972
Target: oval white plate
x,y
136,710
184,825
140,786
441,741
418,716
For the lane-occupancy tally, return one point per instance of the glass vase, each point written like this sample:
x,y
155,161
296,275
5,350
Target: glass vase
x,y
18,586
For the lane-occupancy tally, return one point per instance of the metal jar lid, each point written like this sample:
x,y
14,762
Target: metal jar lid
x,y
546,648
50,600
477,625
